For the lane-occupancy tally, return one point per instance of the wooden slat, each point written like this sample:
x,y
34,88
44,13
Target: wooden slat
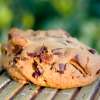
x,y
46,94
10,90
27,92
4,80
65,94
97,96
87,91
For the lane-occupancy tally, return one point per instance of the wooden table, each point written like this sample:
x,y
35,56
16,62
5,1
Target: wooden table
x,y
12,90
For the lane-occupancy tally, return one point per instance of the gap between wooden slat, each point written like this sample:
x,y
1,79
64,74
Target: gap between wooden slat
x,y
36,93
46,94
4,81
97,97
87,92
10,90
27,92
17,92
96,92
75,94
55,94
65,94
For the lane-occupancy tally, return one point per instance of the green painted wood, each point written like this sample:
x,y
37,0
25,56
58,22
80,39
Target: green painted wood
x,y
10,90
65,94
4,80
87,91
27,92
46,94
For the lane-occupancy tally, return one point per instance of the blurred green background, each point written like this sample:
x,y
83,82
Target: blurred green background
x,y
81,18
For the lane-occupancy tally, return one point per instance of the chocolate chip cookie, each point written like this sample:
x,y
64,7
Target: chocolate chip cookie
x,y
49,58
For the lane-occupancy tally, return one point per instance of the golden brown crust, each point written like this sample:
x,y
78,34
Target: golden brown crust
x,y
50,58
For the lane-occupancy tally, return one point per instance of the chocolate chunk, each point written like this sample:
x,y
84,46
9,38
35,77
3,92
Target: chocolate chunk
x,y
76,64
93,51
35,64
9,37
56,51
15,59
52,65
47,58
33,54
62,67
36,74
43,49
41,54
98,72
18,49
43,57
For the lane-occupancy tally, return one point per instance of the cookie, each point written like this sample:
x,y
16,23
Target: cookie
x,y
49,58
